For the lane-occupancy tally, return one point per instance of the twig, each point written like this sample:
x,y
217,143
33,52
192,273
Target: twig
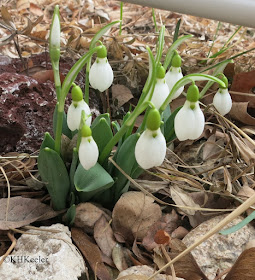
x,y
14,242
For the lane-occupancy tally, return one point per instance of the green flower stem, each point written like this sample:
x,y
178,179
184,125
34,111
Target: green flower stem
x,y
68,82
73,168
121,17
154,19
184,81
86,97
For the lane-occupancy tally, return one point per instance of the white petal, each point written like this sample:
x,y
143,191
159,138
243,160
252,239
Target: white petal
x,y
188,123
222,101
101,74
55,32
150,151
172,77
160,93
88,152
74,115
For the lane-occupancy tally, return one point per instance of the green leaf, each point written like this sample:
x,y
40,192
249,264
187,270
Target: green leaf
x,y
160,44
126,161
65,128
176,31
48,141
53,172
169,132
69,217
90,182
102,134
106,116
171,50
101,32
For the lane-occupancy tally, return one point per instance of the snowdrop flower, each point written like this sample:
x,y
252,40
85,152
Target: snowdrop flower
x,y
174,75
75,109
55,36
222,100
161,89
150,149
101,74
88,150
190,121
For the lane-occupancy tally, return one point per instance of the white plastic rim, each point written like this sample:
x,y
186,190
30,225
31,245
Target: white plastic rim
x,y
240,12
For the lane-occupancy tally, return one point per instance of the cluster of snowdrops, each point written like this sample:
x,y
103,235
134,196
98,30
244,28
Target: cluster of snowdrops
x,y
142,150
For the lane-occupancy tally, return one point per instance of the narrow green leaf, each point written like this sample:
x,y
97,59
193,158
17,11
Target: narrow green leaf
x,y
169,132
171,50
48,141
53,172
106,116
160,44
102,134
90,182
101,32
176,31
69,217
65,128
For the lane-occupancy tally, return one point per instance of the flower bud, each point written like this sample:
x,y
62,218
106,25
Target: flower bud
x,y
55,36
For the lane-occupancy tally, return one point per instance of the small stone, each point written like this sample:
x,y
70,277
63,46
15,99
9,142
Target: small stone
x,y
45,255
144,270
219,251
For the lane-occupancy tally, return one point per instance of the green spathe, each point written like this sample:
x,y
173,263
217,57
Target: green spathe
x,y
176,61
102,53
224,79
76,93
86,131
193,93
161,72
153,120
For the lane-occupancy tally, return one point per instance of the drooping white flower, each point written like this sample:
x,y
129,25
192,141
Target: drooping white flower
x,y
222,101
74,114
189,122
150,149
160,93
88,152
55,29
172,77
101,74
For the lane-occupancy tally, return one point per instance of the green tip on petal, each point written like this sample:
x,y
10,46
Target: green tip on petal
x,y
161,72
193,93
76,93
86,131
102,52
224,79
153,121
176,61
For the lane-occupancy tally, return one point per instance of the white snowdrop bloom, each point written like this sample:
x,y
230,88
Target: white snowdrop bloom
x,y
150,149
88,152
222,101
160,93
101,74
55,30
172,77
189,122
74,114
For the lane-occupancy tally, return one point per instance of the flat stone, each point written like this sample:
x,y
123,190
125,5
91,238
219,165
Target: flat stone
x,y
219,251
50,256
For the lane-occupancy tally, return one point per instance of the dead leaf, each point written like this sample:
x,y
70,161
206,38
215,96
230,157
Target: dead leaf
x,y
239,112
244,266
212,148
180,197
91,253
7,17
139,255
162,237
104,237
118,257
243,82
133,215
23,211
186,267
36,10
122,94
46,75
22,5
87,214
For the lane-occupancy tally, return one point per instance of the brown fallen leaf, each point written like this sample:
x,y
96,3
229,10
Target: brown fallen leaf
x,y
122,94
118,257
91,253
23,211
186,267
133,215
87,214
243,82
244,268
239,112
104,237
46,75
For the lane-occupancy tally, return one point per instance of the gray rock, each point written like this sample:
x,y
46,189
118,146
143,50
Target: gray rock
x,y
50,256
219,251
